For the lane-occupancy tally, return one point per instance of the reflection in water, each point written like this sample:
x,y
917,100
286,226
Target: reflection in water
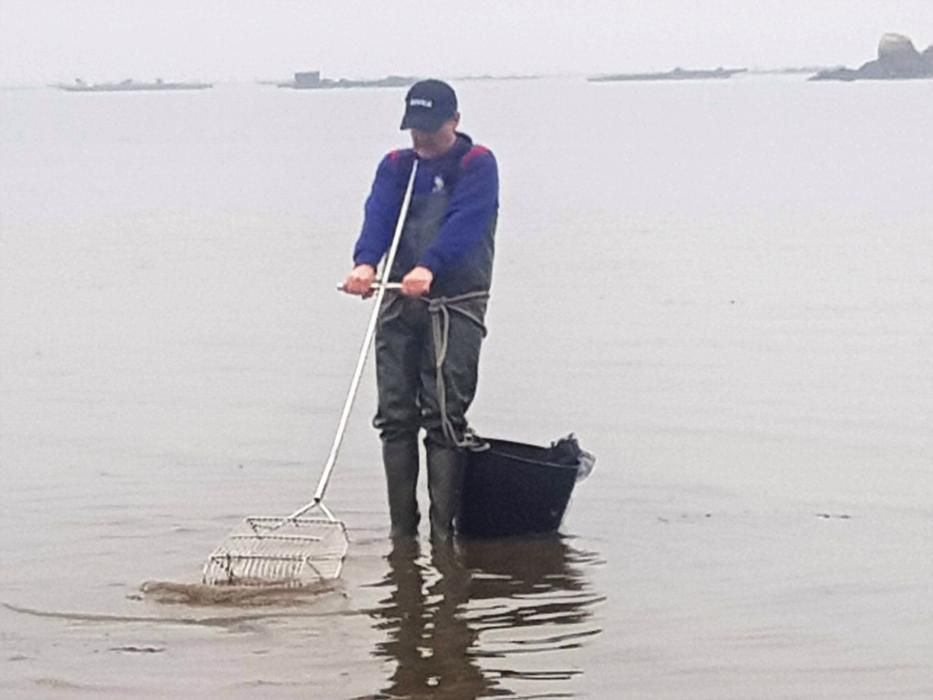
x,y
449,617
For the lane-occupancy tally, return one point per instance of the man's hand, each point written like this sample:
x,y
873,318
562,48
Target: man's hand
x,y
417,283
360,281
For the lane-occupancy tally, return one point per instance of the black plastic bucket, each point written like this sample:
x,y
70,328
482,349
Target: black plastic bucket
x,y
514,489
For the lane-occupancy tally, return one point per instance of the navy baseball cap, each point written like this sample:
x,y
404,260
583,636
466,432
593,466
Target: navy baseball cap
x,y
428,104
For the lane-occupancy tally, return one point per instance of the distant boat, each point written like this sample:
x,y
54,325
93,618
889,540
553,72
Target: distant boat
x,y
130,86
676,74
312,80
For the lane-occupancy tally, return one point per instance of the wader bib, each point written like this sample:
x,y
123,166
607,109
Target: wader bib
x,y
409,336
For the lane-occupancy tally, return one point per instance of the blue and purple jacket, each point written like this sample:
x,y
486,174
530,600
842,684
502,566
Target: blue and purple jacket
x,y
451,220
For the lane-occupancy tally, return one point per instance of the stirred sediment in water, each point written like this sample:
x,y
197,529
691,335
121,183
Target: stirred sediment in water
x,y
169,592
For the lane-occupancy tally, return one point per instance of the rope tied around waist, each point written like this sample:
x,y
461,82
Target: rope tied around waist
x,y
441,309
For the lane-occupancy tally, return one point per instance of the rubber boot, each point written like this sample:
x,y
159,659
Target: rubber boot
x,y
400,458
446,467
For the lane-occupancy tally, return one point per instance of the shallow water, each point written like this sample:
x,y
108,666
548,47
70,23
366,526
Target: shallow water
x,y
723,288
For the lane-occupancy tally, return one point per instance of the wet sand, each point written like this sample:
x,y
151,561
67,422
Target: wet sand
x,y
722,292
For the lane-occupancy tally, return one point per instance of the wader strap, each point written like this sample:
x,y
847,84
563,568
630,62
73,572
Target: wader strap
x,y
440,309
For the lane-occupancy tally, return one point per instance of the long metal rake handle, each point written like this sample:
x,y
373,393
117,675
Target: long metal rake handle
x,y
361,361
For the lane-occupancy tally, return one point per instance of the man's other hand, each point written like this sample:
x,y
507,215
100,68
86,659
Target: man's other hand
x,y
417,283
360,281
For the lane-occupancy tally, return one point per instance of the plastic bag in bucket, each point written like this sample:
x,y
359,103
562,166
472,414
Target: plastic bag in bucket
x,y
516,489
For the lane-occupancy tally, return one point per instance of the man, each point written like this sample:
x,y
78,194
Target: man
x,y
429,334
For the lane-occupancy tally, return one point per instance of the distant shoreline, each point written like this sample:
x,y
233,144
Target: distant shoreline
x,y
131,85
675,74
403,81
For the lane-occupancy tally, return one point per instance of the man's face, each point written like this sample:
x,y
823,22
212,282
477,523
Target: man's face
x,y
429,144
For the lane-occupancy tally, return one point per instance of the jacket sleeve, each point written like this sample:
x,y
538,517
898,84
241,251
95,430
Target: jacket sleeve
x,y
381,211
473,205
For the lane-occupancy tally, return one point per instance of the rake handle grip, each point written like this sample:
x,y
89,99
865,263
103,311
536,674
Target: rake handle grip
x,y
376,285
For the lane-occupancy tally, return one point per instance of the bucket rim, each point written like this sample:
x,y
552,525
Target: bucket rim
x,y
539,463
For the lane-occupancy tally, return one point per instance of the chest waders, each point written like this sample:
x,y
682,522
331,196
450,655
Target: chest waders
x,y
427,360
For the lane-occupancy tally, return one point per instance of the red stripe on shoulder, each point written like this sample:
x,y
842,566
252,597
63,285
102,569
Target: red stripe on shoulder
x,y
475,152
400,155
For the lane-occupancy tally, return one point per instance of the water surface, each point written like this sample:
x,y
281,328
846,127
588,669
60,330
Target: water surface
x,y
722,287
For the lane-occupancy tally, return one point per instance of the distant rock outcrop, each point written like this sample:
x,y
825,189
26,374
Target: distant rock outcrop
x,y
898,59
312,80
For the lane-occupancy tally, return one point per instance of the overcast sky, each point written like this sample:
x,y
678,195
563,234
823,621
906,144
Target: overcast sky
x,y
50,40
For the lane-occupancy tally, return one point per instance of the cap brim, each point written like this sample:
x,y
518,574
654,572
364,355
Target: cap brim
x,y
422,122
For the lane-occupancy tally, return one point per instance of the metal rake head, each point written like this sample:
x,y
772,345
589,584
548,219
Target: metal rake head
x,y
266,550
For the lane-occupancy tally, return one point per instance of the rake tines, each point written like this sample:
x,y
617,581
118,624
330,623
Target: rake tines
x,y
267,550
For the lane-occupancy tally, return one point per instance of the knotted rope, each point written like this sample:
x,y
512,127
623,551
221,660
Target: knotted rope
x,y
441,309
